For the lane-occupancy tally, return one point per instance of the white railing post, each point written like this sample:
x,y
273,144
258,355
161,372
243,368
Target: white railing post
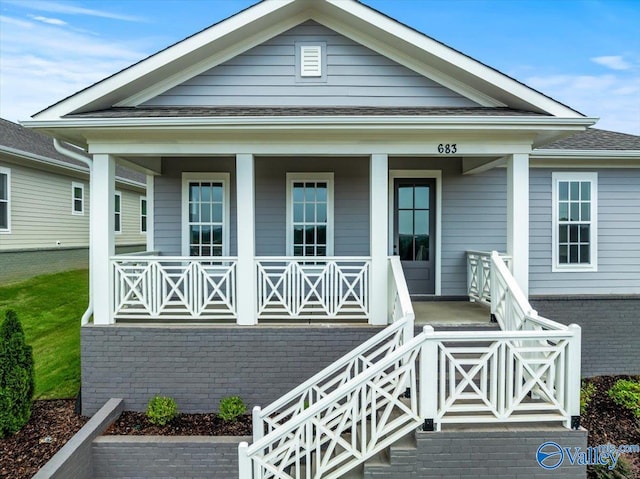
x,y
244,462
428,390
493,296
258,425
573,375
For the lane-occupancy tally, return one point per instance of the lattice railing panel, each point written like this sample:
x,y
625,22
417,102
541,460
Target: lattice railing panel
x,y
173,288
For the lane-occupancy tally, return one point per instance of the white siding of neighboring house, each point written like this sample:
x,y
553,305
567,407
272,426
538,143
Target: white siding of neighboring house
x,y
41,211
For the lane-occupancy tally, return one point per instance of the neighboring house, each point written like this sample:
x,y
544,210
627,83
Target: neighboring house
x,y
44,207
319,162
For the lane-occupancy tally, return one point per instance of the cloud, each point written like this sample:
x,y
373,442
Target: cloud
x,y
53,7
615,62
50,21
43,62
614,98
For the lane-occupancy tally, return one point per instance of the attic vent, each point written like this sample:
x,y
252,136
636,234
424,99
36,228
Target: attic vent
x,y
310,61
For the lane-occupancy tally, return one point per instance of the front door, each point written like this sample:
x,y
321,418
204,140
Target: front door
x,y
414,232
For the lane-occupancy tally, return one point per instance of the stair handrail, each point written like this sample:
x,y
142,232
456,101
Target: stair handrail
x,y
329,402
402,326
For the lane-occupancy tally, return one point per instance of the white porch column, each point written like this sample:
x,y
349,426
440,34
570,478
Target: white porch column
x,y
379,181
102,228
518,217
150,213
245,274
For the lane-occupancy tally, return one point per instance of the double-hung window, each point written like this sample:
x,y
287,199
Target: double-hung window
x,y
117,212
575,225
205,213
77,198
310,214
5,200
143,214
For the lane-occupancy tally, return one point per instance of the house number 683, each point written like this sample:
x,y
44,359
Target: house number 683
x,y
447,148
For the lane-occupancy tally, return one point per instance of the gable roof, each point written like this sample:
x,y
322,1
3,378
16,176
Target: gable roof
x,y
29,144
254,25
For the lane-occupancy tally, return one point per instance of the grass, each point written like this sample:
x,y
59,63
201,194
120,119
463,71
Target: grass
x,y
49,308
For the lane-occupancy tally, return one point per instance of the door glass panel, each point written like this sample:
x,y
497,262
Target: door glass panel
x,y
422,248
422,197
405,247
405,222
421,222
405,197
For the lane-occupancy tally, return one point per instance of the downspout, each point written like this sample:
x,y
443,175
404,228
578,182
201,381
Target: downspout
x,y
76,156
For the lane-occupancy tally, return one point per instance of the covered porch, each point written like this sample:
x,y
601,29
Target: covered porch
x,y
250,264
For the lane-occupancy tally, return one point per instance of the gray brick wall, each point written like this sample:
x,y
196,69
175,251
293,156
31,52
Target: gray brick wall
x,y
199,365
610,330
490,453
120,457
75,459
21,265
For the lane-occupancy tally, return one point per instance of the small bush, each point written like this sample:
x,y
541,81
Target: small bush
x,y
231,408
17,376
621,471
626,393
586,393
161,410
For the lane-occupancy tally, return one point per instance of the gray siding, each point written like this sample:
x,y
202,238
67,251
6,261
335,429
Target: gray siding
x,y
618,238
474,215
351,202
168,200
266,75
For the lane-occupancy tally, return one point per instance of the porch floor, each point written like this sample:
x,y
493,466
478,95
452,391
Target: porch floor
x,y
451,313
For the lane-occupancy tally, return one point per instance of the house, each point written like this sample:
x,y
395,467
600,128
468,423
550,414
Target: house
x,y
318,169
44,207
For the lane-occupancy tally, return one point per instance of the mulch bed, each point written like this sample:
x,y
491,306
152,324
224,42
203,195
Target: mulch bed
x,y
136,424
609,423
51,425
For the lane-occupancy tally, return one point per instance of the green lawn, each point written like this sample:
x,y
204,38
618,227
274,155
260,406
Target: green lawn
x,y
49,308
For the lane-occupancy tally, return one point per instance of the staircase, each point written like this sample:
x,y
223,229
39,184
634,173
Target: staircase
x,y
357,418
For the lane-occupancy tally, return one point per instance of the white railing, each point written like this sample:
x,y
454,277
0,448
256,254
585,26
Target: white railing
x,y
342,430
479,275
384,343
165,287
505,376
303,288
528,372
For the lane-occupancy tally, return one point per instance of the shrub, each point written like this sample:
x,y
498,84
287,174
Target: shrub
x,y
17,376
231,408
161,410
626,393
621,471
586,393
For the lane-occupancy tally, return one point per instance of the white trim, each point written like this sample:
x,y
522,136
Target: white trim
x,y
328,177
378,205
431,174
246,244
144,215
7,171
226,215
585,154
119,213
74,185
150,213
310,60
518,218
591,177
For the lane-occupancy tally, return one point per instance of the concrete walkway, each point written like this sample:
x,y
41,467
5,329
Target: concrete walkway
x,y
451,313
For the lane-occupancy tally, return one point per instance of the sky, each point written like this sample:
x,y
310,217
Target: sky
x,y
584,53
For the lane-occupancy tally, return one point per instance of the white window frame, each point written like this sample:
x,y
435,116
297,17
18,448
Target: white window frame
x,y
74,185
7,201
223,178
556,178
143,199
310,177
117,213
